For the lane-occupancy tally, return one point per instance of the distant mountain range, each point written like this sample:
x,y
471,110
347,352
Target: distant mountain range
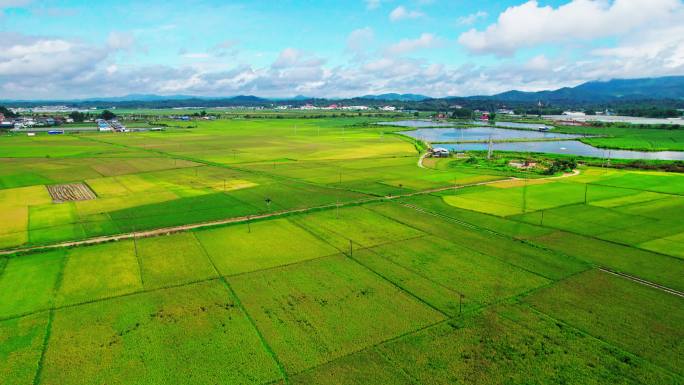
x,y
671,87
618,90
397,97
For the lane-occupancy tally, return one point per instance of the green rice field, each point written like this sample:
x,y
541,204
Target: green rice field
x,y
317,251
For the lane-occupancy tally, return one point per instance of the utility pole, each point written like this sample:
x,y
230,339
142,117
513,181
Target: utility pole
x,y
524,202
490,148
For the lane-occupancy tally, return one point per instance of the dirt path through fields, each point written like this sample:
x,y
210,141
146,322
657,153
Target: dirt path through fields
x,y
245,219
643,282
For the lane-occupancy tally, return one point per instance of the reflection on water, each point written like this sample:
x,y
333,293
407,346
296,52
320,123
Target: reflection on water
x,y
481,133
569,147
522,125
417,123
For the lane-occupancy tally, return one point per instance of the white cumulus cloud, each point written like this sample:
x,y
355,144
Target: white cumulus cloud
x,y
401,13
359,39
426,40
373,4
530,24
472,18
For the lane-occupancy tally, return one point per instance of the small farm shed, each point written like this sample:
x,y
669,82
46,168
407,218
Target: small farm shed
x,y
440,152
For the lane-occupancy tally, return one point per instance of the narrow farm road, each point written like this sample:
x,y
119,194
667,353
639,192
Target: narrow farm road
x,y
602,268
420,160
643,282
242,219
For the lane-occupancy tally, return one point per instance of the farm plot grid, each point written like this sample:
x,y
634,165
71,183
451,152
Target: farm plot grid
x,y
466,285
386,309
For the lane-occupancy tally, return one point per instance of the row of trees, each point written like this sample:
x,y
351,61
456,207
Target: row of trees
x,y
7,112
78,116
467,113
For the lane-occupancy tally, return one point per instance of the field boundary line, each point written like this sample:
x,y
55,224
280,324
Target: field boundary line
x,y
3,263
349,254
103,299
401,289
516,218
412,271
46,341
392,364
590,335
482,230
168,286
372,346
233,294
240,219
644,282
245,218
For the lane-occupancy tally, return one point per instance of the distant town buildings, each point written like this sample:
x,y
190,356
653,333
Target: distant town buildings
x,y
574,113
505,111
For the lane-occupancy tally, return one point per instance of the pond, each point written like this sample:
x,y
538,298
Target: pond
x,y
481,133
529,126
416,123
568,147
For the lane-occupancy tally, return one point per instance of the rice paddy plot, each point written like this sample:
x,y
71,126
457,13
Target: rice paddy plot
x,y
180,211
461,279
14,212
194,334
542,262
44,146
650,266
671,208
53,223
382,176
635,199
172,260
515,345
519,200
260,245
641,235
434,203
21,343
661,182
100,271
314,312
14,230
18,172
365,367
585,219
28,282
671,245
612,309
358,225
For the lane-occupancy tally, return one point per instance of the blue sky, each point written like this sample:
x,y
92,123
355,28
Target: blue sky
x,y
71,49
